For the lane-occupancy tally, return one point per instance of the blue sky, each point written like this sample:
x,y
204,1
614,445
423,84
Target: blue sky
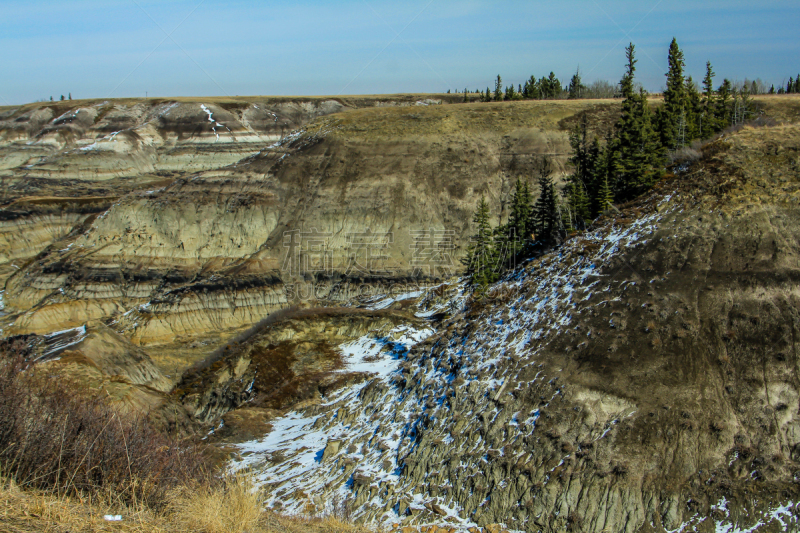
x,y
201,48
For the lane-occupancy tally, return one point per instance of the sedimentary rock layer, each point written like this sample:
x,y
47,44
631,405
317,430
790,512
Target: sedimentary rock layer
x,y
366,198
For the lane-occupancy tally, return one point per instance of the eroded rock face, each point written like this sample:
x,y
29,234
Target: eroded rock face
x,y
641,377
353,201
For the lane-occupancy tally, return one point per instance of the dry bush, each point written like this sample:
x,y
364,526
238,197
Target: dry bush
x,y
231,506
53,437
600,89
684,156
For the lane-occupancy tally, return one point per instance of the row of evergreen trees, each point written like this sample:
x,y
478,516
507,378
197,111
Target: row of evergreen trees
x,y
792,87
530,224
545,88
628,162
634,155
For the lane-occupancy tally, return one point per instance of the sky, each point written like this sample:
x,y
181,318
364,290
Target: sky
x,y
130,48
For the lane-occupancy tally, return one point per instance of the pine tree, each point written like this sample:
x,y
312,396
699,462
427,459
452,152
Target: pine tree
x,y
639,155
708,119
723,111
605,196
694,110
70,96
498,89
553,86
511,93
466,95
790,86
519,218
584,160
578,205
742,105
545,215
772,89
481,258
531,89
605,172
674,108
576,88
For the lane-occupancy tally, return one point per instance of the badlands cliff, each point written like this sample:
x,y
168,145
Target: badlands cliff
x,y
181,219
284,273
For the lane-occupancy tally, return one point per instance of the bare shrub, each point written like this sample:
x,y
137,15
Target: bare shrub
x,y
53,437
600,89
684,156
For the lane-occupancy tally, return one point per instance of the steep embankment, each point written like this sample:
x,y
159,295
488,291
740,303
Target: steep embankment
x,y
355,200
643,377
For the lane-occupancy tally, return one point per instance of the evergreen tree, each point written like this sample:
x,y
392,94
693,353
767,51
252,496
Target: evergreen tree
x,y
708,120
466,95
723,112
576,88
639,155
772,89
605,196
584,160
62,97
70,96
605,171
498,89
579,213
511,93
480,259
672,114
545,216
531,90
519,218
694,110
553,86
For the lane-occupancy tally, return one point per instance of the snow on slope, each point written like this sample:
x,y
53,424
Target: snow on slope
x,y
300,439
425,440
360,443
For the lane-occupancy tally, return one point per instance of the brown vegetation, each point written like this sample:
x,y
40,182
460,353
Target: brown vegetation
x,y
56,438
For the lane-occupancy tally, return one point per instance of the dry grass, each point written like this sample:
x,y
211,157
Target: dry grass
x,y
232,507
